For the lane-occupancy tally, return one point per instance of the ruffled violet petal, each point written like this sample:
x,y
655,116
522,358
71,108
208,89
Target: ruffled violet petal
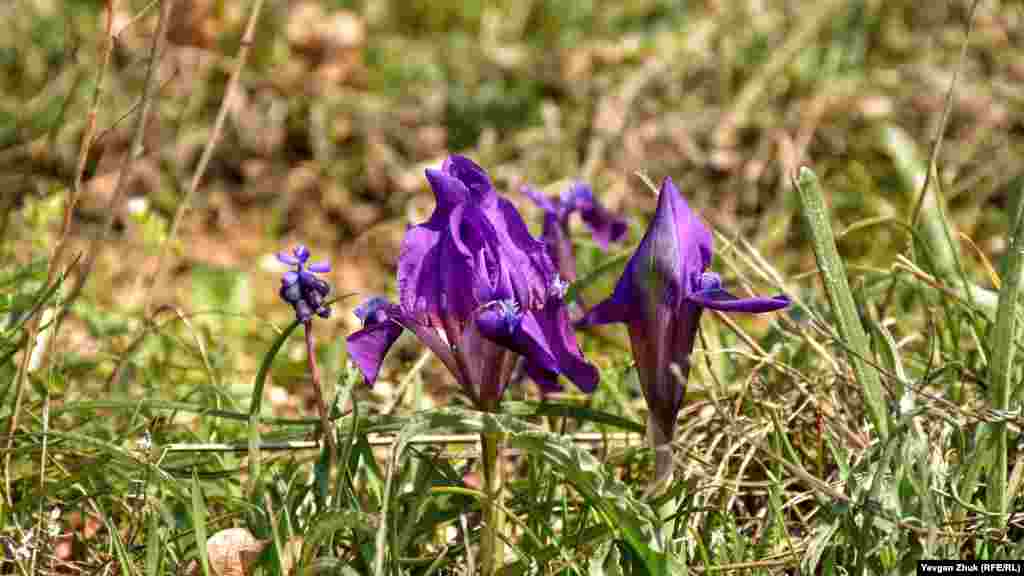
x,y
473,177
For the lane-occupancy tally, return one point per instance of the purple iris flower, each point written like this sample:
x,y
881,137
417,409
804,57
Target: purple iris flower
x,y
477,289
605,227
660,297
301,288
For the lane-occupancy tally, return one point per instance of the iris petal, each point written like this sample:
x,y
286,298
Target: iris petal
x,y
448,191
473,177
719,299
553,321
523,335
367,347
605,227
547,380
540,200
526,256
434,275
625,303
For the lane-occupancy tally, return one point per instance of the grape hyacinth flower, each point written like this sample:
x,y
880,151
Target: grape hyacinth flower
x,y
660,297
605,227
300,288
477,289
305,292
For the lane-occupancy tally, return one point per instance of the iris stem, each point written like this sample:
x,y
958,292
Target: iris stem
x,y
492,546
663,478
325,424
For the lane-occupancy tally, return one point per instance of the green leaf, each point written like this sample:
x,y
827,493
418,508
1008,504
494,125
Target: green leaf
x,y
632,520
199,523
833,275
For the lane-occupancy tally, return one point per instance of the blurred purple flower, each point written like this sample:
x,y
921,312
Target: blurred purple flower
x,y
301,288
476,289
604,226
660,297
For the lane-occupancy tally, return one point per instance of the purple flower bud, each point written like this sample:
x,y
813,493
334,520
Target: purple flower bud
x,y
660,297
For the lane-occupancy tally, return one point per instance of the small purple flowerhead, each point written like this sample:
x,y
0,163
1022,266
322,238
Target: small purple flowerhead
x,y
660,297
605,227
301,288
477,289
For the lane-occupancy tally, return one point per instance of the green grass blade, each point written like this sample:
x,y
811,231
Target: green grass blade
x,y
1001,366
123,558
633,521
611,265
154,544
199,524
833,274
256,403
574,411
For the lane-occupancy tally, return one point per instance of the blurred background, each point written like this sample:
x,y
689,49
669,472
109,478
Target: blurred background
x,y
343,103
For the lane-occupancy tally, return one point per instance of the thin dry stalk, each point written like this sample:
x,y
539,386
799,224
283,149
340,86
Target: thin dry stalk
x,y
940,130
211,144
58,250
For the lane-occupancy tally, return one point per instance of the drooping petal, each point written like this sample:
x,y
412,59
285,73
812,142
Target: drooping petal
x,y
553,321
519,332
547,380
542,201
625,302
382,324
710,294
721,300
368,347
373,310
605,227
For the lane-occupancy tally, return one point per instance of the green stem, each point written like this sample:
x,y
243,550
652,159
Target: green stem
x,y
326,429
492,547
664,474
